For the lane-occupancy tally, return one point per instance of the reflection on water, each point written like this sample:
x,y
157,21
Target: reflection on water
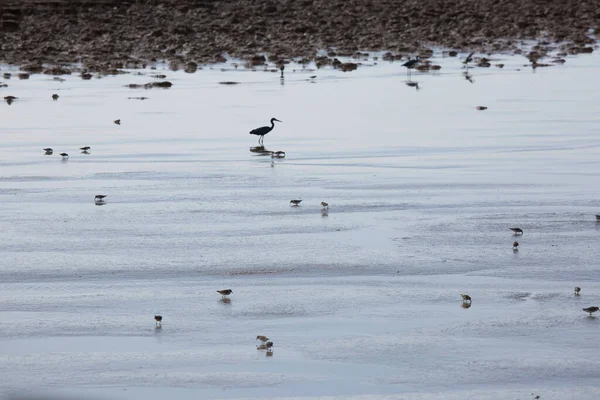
x,y
225,300
325,212
465,305
468,76
260,150
85,152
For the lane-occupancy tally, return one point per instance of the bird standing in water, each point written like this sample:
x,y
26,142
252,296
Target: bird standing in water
x,y
516,246
577,290
263,130
411,63
591,310
158,320
225,292
517,231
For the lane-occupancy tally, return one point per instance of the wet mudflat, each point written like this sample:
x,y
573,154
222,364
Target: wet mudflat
x,y
362,299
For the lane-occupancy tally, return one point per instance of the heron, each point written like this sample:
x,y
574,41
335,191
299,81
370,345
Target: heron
x,y
263,130
411,63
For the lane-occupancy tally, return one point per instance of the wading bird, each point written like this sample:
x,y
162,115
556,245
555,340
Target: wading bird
x,y
411,63
54,96
270,344
263,130
468,60
48,150
99,197
158,320
117,121
325,205
295,202
64,156
225,292
466,297
517,231
577,290
85,148
262,338
591,310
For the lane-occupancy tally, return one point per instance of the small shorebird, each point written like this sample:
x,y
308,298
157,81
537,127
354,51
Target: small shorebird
x,y
117,121
517,231
466,297
481,108
325,205
270,344
85,148
54,96
516,246
10,99
158,319
48,150
262,338
590,310
99,197
468,60
295,202
411,63
225,292
64,155
577,290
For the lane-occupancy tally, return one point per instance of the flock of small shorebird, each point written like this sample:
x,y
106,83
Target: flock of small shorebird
x,y
518,231
265,342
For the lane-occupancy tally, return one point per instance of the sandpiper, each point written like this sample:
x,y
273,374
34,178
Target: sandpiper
x,y
48,150
325,205
481,108
85,148
225,292
465,297
117,121
516,246
99,197
590,310
10,99
262,338
54,96
577,290
64,155
517,231
158,319
269,345
295,202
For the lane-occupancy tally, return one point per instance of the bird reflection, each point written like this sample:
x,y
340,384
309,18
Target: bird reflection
x,y
269,353
85,152
324,212
468,77
225,300
412,84
465,305
260,150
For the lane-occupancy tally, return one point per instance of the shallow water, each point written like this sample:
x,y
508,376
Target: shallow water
x,y
360,300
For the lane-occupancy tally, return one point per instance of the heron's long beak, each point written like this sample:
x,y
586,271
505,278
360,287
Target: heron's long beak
x,y
277,120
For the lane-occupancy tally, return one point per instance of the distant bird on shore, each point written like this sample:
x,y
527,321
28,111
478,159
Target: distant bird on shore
x,y
517,231
324,204
99,197
295,202
85,148
466,297
117,121
263,130
270,344
281,68
225,292
54,97
262,338
597,217
481,108
48,151
158,319
516,246
64,155
10,99
591,310
468,60
411,64
577,290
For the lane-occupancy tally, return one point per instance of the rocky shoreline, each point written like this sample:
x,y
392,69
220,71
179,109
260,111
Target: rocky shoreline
x,y
104,35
